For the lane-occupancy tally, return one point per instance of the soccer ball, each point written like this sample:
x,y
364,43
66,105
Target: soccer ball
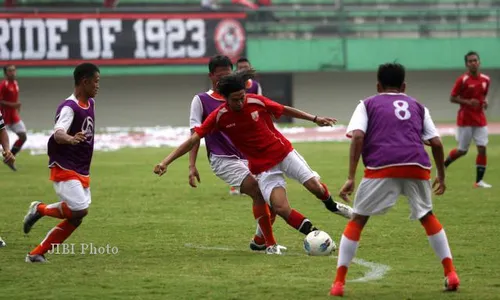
x,y
319,243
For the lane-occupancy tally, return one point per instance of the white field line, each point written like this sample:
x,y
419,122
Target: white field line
x,y
375,270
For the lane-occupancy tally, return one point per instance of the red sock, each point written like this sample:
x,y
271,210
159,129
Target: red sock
x,y
56,235
326,195
263,216
453,154
58,210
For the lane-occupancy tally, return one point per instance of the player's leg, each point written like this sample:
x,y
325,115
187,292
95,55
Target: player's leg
x,y
2,243
258,241
419,194
297,168
76,200
480,135
261,211
374,197
235,172
20,130
464,138
273,186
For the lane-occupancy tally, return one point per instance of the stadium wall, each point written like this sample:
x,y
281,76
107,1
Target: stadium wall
x,y
165,99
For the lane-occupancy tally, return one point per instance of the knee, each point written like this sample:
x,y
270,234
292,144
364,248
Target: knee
x,y
23,137
251,188
461,152
281,209
481,150
77,217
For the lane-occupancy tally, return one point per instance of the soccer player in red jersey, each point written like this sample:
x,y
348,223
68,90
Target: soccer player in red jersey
x,y
470,92
246,120
10,106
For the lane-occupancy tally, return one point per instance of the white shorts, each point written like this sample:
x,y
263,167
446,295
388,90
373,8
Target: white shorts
x,y
18,127
73,194
293,166
377,196
232,170
465,134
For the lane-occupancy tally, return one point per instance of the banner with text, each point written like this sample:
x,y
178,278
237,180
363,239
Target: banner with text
x,y
66,39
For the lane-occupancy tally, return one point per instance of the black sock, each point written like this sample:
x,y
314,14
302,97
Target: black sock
x,y
330,204
480,170
447,162
15,150
307,227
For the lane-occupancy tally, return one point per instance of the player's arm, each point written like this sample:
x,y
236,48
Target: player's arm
x,y
180,151
455,94
63,123
199,132
431,137
277,110
356,131
195,119
10,104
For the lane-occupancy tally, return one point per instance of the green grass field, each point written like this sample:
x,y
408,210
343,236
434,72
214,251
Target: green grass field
x,y
150,220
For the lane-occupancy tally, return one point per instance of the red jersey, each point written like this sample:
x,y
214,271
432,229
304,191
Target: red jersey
x,y
252,131
471,87
9,91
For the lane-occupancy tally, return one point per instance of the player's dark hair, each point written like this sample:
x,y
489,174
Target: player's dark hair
x,y
219,61
5,69
84,71
470,53
242,59
391,75
234,82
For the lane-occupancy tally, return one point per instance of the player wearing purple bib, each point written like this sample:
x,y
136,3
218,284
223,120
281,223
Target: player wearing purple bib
x,y
388,131
70,150
253,86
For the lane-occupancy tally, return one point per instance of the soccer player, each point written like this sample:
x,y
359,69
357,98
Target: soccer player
x,y
10,107
245,119
7,155
226,161
387,130
70,150
252,86
470,91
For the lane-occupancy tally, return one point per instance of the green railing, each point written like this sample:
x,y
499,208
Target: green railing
x,y
308,22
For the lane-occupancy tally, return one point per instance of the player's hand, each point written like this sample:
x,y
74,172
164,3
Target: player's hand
x,y
474,102
325,121
78,138
8,157
485,104
439,186
160,169
346,190
193,174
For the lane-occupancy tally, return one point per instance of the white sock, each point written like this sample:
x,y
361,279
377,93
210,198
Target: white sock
x,y
439,243
347,250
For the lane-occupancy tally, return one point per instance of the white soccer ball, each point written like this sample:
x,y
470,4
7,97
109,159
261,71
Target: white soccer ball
x,y
319,243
